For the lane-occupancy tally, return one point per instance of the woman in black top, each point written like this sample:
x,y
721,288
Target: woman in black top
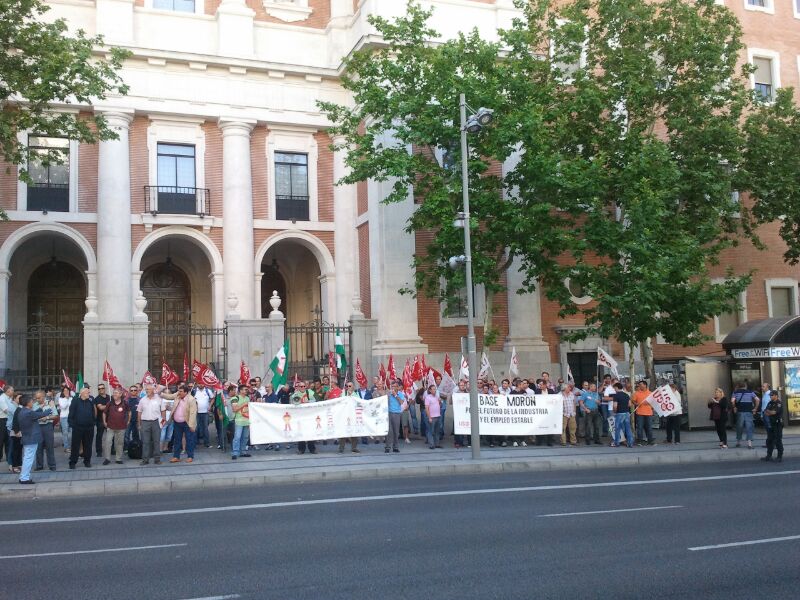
x,y
720,406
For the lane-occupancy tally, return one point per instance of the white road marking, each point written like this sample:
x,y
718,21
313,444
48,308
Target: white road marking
x,y
605,512
100,551
228,597
346,500
747,543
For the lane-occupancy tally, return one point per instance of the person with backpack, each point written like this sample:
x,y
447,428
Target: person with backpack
x,y
745,405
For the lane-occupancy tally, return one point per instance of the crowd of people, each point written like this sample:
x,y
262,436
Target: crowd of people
x,y
146,422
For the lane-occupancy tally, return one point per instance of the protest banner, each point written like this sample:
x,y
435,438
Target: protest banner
x,y
344,417
510,415
665,402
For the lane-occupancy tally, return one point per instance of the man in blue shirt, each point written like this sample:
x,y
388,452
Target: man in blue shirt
x,y
745,405
397,404
590,407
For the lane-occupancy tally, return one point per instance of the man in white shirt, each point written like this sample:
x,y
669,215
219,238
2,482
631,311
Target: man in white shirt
x,y
204,397
5,404
505,387
260,388
151,414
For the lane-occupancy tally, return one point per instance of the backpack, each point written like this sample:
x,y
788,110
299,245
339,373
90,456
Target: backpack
x,y
135,450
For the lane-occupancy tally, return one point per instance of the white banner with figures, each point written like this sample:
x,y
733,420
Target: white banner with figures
x,y
342,417
510,415
665,402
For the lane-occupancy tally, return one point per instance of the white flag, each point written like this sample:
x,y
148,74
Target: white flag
x,y
604,359
463,372
570,378
486,368
513,368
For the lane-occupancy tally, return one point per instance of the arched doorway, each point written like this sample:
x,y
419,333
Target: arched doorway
x,y
168,294
55,308
273,281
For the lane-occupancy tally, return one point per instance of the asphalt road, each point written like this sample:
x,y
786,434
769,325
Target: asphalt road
x,y
490,536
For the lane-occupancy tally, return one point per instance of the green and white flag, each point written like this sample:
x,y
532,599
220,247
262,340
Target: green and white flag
x,y
280,366
338,347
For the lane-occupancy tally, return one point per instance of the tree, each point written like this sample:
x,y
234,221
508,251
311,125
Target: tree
x,y
627,120
42,65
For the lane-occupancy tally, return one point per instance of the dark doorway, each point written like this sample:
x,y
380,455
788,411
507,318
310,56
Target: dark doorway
x,y
583,366
168,294
56,296
273,281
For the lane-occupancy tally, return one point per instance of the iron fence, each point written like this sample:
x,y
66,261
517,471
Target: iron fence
x,y
34,357
309,346
208,345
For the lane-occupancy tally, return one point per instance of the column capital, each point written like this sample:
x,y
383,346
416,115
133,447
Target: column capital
x,y
117,118
338,139
5,275
232,126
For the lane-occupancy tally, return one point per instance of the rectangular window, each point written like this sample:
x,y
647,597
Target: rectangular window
x,y
757,3
782,299
176,5
763,78
48,168
291,186
177,193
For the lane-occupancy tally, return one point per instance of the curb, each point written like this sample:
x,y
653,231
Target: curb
x,y
161,484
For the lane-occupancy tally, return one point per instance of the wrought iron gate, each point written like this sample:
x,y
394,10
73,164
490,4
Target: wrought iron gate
x,y
207,345
34,357
309,345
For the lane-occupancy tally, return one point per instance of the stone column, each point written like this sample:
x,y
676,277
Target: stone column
x,y
525,322
237,211
114,222
344,236
391,251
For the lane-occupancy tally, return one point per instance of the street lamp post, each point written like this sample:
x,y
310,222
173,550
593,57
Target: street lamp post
x,y
475,124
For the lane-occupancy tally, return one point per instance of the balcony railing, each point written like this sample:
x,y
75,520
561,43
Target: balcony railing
x,y
48,197
291,208
172,200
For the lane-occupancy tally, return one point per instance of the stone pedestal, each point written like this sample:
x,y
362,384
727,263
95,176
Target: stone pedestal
x,y
362,340
256,341
123,345
235,29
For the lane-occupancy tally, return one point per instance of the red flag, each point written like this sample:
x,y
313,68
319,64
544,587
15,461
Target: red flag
x,y
168,376
185,368
361,378
382,373
334,392
2,383
197,368
244,374
332,365
109,377
416,370
68,381
390,369
208,378
408,382
148,379
448,366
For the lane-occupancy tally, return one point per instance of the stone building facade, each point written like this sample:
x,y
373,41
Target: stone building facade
x,y
220,190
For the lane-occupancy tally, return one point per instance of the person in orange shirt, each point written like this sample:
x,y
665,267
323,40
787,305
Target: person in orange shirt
x,y
644,415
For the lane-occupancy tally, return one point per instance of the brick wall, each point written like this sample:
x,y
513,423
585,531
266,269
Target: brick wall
x,y
324,177
258,167
261,235
364,283
8,186
140,166
213,166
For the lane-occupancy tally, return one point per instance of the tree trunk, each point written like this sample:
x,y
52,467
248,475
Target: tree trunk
x,y
631,365
649,364
487,320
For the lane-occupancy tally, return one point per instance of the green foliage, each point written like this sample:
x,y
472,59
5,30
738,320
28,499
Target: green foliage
x,y
42,64
628,121
773,168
